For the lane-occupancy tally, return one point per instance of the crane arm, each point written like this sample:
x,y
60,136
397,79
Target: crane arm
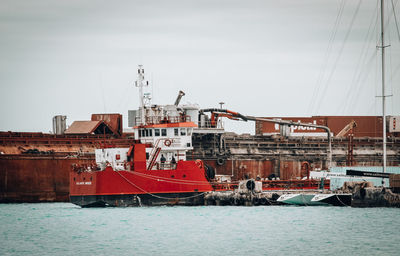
x,y
291,123
178,99
347,128
235,115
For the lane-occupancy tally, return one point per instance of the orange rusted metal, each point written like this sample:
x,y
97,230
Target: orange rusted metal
x,y
114,121
36,178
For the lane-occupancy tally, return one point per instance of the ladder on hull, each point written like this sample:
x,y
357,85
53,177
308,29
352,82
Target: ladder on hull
x,y
153,158
154,154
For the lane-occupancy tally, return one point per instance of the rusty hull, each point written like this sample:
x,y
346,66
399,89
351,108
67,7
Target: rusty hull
x,y
36,178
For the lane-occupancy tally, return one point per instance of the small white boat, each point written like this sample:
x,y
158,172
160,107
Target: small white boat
x,y
333,199
304,199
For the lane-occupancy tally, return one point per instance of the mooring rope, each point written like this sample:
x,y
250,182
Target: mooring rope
x,y
261,196
302,198
171,180
269,201
160,197
341,201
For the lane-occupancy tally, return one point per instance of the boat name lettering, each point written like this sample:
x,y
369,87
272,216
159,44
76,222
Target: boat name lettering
x,y
84,183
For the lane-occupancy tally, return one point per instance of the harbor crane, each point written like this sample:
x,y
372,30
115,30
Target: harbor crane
x,y
218,113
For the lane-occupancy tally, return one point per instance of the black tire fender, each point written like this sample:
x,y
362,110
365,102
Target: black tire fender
x,y
220,161
250,185
209,172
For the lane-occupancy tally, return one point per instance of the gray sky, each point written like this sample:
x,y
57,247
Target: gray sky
x,y
264,58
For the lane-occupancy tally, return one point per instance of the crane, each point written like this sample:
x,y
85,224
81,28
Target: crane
x,y
347,128
216,113
178,99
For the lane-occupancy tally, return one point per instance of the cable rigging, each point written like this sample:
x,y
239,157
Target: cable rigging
x,y
360,64
327,55
326,85
395,19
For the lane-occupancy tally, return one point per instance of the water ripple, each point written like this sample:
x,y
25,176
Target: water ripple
x,y
61,228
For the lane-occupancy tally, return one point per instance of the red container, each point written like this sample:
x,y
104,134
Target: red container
x,y
265,128
367,126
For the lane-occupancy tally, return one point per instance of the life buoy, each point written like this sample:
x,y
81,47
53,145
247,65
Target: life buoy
x,y
167,143
199,163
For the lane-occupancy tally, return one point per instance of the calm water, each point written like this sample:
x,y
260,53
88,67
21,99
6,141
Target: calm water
x,y
64,229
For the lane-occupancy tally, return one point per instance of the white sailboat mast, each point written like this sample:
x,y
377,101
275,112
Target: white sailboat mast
x,y
383,85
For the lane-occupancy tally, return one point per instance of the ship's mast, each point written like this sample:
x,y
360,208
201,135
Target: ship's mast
x,y
383,85
140,82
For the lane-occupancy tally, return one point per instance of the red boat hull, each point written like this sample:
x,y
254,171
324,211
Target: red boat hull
x,y
127,200
184,185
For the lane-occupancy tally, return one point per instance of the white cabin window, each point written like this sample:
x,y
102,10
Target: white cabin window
x,y
147,133
176,132
183,131
189,131
156,132
151,132
163,132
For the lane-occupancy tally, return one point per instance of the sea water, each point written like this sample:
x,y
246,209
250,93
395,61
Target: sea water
x,y
65,229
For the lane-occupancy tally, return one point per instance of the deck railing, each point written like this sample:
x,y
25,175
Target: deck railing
x,y
164,120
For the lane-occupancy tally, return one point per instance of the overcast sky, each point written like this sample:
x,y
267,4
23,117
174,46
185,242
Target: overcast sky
x,y
262,58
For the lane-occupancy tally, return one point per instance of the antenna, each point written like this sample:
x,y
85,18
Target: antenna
x,y
140,82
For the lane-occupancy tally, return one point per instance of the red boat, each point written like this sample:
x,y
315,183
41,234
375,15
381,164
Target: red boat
x,y
154,170
183,183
